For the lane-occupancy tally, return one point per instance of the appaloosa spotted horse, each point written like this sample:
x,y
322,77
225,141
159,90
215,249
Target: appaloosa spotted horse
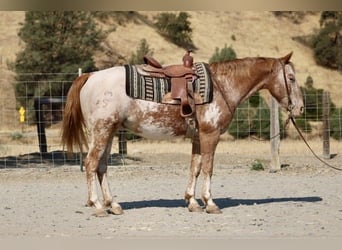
x,y
97,102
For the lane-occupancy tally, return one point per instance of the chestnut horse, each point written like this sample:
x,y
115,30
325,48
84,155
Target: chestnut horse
x,y
97,102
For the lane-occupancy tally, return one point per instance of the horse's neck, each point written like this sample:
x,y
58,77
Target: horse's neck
x,y
238,82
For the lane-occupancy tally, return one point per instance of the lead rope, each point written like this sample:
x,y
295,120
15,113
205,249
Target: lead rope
x,y
307,144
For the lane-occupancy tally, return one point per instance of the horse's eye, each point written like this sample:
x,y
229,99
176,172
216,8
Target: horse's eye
x,y
292,78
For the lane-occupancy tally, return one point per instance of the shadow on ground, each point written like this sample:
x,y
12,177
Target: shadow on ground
x,y
221,202
54,158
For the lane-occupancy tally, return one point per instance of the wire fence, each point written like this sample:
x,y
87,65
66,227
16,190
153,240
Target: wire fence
x,y
42,102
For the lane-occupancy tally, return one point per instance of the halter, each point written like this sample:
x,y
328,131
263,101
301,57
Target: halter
x,y
290,105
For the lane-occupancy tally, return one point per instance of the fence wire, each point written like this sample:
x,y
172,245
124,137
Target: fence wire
x,y
19,135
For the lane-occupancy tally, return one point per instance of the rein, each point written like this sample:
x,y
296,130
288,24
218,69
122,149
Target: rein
x,y
290,108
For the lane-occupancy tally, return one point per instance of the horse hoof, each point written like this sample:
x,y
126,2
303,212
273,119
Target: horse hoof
x,y
89,203
116,210
195,208
213,210
100,213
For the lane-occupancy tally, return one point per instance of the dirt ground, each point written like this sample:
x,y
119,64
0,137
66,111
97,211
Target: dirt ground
x,y
302,200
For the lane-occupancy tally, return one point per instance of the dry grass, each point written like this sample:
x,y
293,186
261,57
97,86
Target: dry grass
x,y
17,142
230,147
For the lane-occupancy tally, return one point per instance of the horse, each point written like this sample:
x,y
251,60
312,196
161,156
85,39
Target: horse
x,y
97,102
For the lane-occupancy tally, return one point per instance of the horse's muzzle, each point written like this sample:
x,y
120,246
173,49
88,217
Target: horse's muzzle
x,y
295,111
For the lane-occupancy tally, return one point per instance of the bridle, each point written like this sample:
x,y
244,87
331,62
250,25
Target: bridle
x,y
290,107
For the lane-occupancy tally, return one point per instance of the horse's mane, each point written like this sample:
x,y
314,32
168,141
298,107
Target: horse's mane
x,y
242,66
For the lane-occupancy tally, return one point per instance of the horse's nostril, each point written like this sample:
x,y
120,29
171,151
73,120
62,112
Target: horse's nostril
x,y
302,110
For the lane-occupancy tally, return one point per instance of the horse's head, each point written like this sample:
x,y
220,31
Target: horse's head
x,y
284,87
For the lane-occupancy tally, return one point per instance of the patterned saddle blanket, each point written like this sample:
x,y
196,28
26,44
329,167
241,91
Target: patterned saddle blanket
x,y
141,85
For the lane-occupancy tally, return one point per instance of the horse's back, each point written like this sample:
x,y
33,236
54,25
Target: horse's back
x,y
104,93
105,80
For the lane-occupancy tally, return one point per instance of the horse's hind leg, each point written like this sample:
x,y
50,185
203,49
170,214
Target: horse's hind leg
x,y
91,164
195,170
102,175
96,164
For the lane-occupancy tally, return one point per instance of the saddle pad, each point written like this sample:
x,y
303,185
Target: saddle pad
x,y
149,88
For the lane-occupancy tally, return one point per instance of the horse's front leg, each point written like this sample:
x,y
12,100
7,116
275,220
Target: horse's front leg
x,y
208,144
195,170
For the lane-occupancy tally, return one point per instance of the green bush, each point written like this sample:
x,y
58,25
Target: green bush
x,y
224,54
176,28
303,124
252,118
239,128
327,44
336,124
313,102
16,136
121,17
295,16
257,166
143,49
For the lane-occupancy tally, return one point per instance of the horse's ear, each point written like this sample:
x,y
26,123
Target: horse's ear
x,y
286,59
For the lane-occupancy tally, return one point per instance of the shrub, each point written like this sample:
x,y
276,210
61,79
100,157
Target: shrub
x,y
225,54
294,16
121,17
336,124
327,44
313,101
252,118
313,104
176,28
143,49
257,166
303,124
16,136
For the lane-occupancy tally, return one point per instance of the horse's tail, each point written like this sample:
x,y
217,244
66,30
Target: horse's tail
x,y
73,120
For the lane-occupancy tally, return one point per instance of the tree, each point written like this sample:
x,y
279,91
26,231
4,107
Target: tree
x,y
55,42
327,44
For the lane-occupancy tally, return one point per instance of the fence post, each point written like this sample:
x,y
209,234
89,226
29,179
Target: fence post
x,y
326,124
40,125
274,135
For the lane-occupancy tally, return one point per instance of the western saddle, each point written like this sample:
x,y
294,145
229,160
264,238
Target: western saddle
x,y
182,77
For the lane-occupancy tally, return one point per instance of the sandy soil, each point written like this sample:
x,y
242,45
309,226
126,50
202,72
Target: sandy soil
x,y
303,200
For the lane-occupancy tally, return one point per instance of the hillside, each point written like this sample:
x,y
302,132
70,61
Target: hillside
x,y
256,34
